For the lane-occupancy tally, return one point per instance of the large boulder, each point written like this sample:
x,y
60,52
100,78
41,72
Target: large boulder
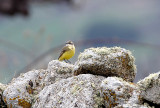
x,y
114,61
81,91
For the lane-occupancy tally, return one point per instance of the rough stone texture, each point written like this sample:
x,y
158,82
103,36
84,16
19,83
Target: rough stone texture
x,y
81,91
150,88
130,105
22,91
58,70
19,93
114,61
116,91
57,87
2,88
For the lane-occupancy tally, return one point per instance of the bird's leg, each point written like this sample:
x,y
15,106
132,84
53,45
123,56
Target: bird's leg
x,y
65,60
68,61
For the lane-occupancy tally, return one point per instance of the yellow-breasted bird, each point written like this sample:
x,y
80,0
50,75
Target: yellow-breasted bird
x,y
67,52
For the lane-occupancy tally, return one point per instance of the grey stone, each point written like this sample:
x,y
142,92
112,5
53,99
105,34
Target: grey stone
x,y
117,92
58,70
150,88
81,91
22,91
114,61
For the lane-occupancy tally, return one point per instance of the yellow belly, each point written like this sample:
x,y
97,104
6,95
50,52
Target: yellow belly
x,y
67,55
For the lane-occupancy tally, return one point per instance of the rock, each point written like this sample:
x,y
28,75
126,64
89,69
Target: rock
x,y
58,87
150,88
58,70
130,105
114,61
22,91
2,88
81,91
19,93
117,92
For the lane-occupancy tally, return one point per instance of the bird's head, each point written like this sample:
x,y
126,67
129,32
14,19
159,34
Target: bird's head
x,y
69,43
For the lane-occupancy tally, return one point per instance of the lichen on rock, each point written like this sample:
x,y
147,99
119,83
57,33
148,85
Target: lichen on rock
x,y
72,92
150,88
114,61
132,105
20,93
17,94
116,91
57,70
101,78
2,88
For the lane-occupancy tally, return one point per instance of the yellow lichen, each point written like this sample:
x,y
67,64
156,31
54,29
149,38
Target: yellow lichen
x,y
105,50
19,90
81,82
75,89
93,85
99,101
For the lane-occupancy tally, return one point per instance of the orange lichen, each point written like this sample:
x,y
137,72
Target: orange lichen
x,y
30,90
9,106
14,98
132,83
126,60
110,98
21,102
24,103
5,100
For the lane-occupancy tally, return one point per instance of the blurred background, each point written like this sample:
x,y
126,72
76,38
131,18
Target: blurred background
x,y
32,32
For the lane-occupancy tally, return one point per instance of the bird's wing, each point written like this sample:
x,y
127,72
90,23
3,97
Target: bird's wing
x,y
64,49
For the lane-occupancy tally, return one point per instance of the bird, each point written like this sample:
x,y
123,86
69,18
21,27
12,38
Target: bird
x,y
67,52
